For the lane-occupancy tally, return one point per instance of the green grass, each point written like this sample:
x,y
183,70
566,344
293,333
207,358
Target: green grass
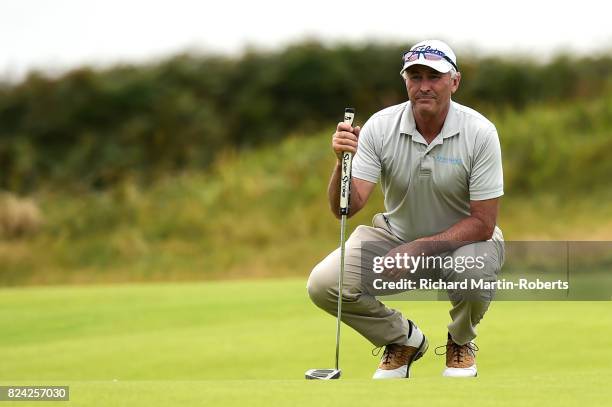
x,y
249,343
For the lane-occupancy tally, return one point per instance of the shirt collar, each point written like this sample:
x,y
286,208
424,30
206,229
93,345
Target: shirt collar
x,y
449,129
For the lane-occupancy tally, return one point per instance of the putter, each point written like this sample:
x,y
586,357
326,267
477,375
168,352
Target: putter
x,y
345,192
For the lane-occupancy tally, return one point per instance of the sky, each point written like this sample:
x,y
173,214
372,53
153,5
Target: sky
x,y
56,35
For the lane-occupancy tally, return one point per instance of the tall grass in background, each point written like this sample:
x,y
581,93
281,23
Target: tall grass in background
x,y
264,212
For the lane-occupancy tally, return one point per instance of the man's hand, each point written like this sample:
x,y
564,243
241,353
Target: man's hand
x,y
403,253
345,139
411,257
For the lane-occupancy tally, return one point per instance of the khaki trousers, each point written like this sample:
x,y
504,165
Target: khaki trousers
x,y
381,325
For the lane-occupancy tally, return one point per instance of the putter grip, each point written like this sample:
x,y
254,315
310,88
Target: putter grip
x,y
347,159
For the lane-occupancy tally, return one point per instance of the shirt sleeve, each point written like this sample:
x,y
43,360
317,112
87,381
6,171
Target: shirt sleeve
x,y
367,161
487,179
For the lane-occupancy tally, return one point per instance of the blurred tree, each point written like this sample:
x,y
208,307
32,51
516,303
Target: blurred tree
x,y
95,128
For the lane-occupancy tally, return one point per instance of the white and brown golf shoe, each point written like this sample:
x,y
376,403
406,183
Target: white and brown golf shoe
x,y
397,359
460,359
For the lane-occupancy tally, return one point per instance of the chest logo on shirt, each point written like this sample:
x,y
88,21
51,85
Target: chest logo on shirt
x,y
447,160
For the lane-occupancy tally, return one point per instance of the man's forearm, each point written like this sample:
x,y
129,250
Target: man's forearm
x,y
466,231
357,199
333,190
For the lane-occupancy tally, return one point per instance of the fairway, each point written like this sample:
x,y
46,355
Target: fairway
x,y
249,343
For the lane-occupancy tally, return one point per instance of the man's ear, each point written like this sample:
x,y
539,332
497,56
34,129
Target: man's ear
x,y
455,82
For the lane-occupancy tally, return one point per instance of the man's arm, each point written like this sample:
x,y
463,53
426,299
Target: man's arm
x,y
360,192
346,138
479,226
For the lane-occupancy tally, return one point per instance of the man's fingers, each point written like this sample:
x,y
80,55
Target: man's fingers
x,y
341,145
344,127
345,142
396,274
345,139
341,149
345,135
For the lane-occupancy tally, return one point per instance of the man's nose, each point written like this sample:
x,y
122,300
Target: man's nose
x,y
425,85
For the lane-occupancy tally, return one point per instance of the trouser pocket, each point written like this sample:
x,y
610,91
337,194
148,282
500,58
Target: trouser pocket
x,y
381,221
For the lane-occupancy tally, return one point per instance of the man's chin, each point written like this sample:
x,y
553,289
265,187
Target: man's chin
x,y
427,108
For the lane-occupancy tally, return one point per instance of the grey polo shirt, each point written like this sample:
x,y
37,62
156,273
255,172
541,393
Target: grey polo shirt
x,y
428,187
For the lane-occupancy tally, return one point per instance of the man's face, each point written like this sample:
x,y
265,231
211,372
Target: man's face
x,y
429,90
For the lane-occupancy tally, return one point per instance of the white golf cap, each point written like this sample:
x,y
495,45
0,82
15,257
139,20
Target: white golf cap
x,y
432,53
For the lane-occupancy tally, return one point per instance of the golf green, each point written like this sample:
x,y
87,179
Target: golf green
x,y
249,343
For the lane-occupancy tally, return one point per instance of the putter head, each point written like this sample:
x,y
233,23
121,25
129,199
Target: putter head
x,y
323,374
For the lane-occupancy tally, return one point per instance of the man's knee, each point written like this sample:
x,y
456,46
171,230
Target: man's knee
x,y
320,286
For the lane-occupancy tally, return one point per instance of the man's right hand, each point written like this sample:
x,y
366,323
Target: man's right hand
x,y
345,139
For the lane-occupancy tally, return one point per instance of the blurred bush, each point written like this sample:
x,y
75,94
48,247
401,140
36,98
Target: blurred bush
x,y
18,217
264,212
98,128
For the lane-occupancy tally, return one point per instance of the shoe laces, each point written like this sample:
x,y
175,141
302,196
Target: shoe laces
x,y
387,354
458,352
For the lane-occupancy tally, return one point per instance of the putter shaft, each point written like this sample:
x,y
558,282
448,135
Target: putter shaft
x,y
340,285
345,193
